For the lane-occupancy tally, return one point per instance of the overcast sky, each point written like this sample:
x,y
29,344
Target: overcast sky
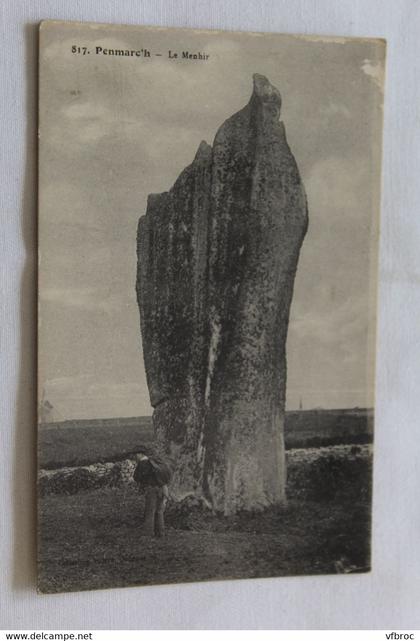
x,y
114,129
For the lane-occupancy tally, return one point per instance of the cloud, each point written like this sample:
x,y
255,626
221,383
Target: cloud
x,y
374,70
335,109
85,110
86,298
336,184
342,324
341,40
61,386
81,396
116,390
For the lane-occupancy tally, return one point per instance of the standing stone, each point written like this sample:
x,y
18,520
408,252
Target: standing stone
x,y
171,292
217,258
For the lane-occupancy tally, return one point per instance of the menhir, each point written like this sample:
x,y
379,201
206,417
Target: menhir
x,y
217,258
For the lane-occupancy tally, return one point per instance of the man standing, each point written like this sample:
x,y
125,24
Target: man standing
x,y
153,474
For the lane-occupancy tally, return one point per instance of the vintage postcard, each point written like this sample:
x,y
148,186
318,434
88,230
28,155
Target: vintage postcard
x,y
208,230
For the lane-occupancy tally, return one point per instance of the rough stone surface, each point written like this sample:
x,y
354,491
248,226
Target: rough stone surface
x,y
217,257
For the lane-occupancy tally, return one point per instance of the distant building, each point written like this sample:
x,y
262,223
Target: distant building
x,y
47,413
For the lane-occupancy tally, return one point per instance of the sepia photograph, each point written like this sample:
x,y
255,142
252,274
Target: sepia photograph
x,y
207,285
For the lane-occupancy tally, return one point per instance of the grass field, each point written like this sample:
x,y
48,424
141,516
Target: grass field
x,y
74,443
93,539
83,442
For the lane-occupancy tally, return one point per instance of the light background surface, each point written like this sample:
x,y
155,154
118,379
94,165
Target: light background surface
x,y
389,596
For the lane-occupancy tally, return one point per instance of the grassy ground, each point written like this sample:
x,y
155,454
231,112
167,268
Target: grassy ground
x,y
93,539
61,445
74,443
